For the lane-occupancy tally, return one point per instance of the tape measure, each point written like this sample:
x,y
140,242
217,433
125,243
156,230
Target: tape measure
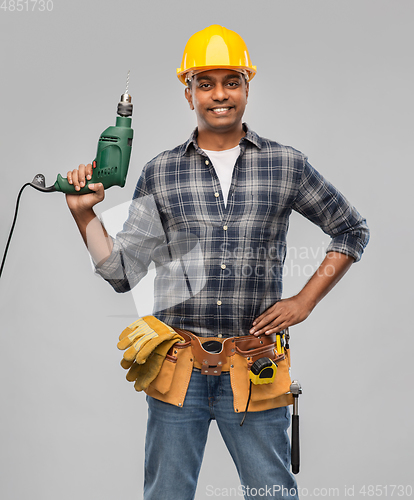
x,y
263,371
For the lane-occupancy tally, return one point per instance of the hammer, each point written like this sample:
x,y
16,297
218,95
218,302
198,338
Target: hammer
x,y
295,389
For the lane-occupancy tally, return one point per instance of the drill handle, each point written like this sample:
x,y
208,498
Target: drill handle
x,y
63,185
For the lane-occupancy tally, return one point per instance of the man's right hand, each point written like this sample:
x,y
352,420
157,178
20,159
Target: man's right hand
x,y
83,203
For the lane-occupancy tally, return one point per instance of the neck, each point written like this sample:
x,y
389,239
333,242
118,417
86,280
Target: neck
x,y
216,141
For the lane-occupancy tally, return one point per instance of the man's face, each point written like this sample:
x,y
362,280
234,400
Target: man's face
x,y
219,98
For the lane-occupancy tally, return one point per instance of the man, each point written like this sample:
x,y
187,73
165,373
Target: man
x,y
232,192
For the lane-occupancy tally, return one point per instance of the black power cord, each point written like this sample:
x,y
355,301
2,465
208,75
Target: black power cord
x,y
37,183
12,228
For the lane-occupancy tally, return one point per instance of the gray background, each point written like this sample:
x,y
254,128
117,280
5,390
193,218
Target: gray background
x,y
335,81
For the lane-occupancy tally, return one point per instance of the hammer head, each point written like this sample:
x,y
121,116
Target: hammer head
x,y
295,388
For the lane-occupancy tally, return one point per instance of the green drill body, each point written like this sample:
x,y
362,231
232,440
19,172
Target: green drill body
x,y
112,159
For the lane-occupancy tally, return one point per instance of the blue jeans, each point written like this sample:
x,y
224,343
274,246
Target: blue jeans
x,y
176,439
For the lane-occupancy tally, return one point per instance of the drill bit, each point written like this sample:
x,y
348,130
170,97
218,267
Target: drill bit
x,y
125,106
127,82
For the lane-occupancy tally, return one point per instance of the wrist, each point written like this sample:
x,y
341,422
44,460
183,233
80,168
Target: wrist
x,y
307,300
83,215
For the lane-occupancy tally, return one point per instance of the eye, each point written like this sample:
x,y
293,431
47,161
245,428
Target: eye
x,y
204,85
233,84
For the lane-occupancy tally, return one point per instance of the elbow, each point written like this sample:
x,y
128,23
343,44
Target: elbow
x,y
364,233
120,286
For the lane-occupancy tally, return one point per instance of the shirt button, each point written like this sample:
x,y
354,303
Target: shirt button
x,y
207,162
219,302
223,266
225,228
216,195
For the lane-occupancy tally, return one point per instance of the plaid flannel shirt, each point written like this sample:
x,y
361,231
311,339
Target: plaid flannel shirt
x,y
219,267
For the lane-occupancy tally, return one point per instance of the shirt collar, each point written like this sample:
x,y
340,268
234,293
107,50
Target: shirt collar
x,y
250,136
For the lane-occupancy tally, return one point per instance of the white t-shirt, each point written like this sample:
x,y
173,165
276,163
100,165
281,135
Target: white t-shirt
x,y
223,163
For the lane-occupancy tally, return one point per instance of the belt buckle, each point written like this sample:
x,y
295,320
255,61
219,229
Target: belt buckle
x,y
211,347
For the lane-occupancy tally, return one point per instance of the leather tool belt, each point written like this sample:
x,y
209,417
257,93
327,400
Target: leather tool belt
x,y
213,363
236,355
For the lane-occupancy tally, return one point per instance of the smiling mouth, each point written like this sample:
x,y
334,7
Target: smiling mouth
x,y
221,110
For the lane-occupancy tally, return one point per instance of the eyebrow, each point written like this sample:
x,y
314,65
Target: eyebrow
x,y
226,77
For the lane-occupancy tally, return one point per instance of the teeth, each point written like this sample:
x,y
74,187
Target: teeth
x,y
221,109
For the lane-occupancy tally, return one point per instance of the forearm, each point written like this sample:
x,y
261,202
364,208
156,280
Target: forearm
x,y
332,269
92,231
294,310
94,235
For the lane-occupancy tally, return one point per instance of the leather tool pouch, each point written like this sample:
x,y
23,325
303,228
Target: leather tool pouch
x,y
172,382
266,396
236,356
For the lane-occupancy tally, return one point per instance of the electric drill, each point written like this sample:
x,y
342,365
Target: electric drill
x,y
110,166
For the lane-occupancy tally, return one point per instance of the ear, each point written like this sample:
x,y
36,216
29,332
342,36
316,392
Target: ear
x,y
247,90
189,97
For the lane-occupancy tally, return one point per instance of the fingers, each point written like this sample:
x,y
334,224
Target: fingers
x,y
285,313
275,319
273,328
79,176
269,322
88,171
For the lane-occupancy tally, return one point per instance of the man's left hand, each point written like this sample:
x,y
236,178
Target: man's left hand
x,y
282,314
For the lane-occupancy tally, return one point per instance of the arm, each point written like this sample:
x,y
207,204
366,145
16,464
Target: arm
x,y
122,261
294,310
93,233
325,206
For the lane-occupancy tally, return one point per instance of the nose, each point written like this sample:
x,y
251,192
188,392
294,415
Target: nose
x,y
219,92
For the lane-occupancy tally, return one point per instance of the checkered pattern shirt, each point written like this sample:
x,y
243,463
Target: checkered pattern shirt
x,y
219,267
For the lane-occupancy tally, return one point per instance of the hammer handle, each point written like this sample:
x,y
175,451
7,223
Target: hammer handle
x,y
295,444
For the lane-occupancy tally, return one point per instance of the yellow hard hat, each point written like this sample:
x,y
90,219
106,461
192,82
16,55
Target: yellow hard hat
x,y
215,47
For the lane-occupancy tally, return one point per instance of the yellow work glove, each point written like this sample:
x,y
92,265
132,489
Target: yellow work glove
x,y
144,374
142,337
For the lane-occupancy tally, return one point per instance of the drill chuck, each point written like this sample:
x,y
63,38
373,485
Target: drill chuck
x,y
125,106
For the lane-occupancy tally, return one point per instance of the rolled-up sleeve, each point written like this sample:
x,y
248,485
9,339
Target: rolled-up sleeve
x,y
133,247
320,202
